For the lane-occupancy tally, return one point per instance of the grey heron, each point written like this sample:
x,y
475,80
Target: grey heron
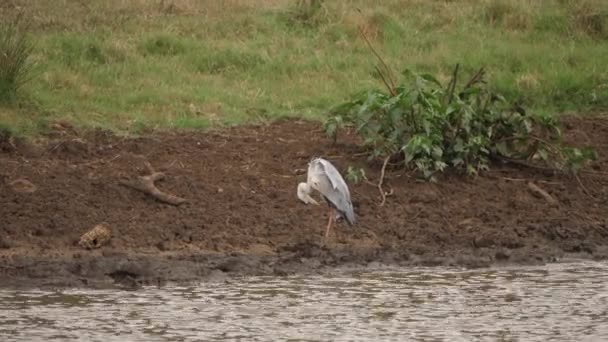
x,y
325,178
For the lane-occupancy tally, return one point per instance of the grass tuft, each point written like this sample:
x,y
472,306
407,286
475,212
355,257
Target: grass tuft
x,y
218,62
309,13
6,132
15,51
163,45
507,14
591,19
75,50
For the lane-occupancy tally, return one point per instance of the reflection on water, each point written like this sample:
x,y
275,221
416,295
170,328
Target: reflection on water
x,y
559,302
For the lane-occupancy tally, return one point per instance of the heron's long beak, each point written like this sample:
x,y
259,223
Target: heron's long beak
x,y
311,200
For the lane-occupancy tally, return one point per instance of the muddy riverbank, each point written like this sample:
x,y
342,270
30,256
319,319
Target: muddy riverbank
x,y
242,215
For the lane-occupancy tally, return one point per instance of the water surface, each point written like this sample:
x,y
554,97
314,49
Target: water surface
x,y
557,302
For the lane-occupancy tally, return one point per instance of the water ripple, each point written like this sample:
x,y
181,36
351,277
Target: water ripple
x,y
558,302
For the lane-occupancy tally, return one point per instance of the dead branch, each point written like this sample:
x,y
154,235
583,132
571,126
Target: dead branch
x,y
478,77
550,169
537,190
388,86
11,142
391,87
583,187
452,84
595,173
527,180
382,193
146,185
416,215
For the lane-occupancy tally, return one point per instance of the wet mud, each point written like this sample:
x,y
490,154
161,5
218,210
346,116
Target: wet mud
x,y
242,215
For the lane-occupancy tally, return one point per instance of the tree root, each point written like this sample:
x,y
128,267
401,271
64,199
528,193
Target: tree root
x,y
537,190
146,185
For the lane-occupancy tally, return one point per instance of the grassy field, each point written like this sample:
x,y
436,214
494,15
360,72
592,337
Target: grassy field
x,y
136,64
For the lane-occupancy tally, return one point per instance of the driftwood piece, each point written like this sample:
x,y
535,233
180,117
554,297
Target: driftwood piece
x,y
96,237
146,185
538,191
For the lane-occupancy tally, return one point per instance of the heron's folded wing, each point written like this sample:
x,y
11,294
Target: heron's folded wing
x,y
334,177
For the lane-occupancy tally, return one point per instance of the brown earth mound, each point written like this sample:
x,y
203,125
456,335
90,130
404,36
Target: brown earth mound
x,y
242,214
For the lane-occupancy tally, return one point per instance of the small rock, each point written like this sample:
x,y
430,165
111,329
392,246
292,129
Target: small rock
x,y
280,272
4,243
23,186
216,275
424,195
236,264
511,297
96,237
483,242
75,146
502,255
163,246
260,249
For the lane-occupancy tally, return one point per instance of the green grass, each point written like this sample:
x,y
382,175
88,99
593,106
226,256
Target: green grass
x,y
130,65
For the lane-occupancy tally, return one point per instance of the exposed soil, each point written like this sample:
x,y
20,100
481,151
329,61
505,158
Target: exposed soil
x,y
242,215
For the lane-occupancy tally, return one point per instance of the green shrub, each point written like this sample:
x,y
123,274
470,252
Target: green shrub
x,y
430,127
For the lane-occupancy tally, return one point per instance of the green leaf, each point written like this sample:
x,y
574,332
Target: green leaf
x,y
471,170
430,78
501,148
459,145
457,161
437,152
542,153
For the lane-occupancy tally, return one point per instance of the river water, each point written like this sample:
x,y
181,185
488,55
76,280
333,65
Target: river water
x,y
555,302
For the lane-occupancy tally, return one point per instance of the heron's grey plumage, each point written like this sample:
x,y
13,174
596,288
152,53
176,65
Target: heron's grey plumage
x,y
325,178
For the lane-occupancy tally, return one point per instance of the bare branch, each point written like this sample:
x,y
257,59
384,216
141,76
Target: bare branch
x,y
537,190
478,77
382,193
391,87
452,84
146,185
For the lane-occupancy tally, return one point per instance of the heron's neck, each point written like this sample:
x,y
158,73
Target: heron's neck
x,y
304,190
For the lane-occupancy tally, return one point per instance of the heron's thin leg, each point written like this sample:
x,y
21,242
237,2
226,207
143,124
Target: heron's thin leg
x,y
330,221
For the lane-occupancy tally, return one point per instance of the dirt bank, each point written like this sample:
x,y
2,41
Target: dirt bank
x,y
242,215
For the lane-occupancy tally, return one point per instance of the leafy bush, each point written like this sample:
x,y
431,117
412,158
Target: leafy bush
x,y
430,127
15,51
